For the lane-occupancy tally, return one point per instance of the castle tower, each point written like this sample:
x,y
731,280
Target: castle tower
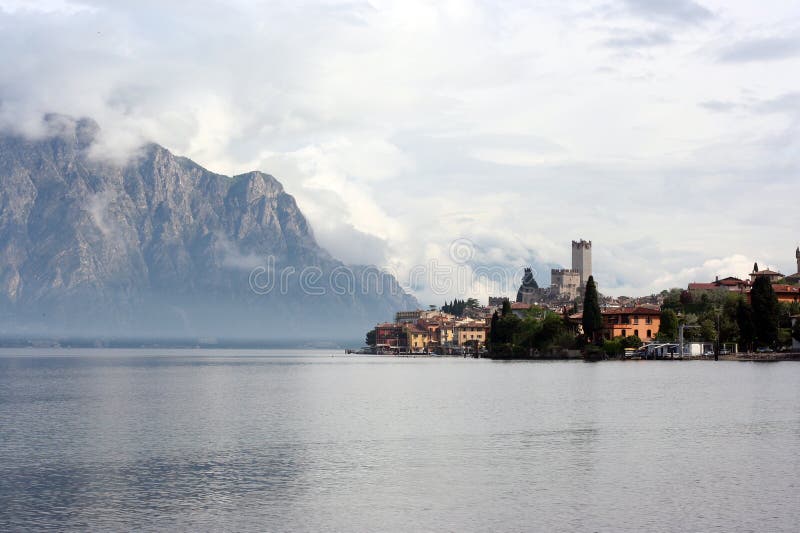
x,y
582,259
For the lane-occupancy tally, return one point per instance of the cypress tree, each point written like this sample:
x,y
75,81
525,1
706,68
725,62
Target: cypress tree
x,y
592,318
493,330
744,319
765,311
506,308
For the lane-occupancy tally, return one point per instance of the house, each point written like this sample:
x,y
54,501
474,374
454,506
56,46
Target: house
x,y
418,337
470,332
642,322
390,336
638,321
519,309
771,274
786,293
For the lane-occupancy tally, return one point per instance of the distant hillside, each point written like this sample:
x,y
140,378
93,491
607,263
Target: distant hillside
x,y
163,247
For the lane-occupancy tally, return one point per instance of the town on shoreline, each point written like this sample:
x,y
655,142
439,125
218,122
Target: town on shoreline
x,y
752,318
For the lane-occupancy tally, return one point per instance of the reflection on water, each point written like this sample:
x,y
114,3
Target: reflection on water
x,y
304,440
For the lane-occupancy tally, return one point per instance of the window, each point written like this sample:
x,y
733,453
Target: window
x,y
636,333
649,333
624,332
648,320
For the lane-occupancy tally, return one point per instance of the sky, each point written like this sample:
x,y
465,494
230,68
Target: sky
x,y
469,135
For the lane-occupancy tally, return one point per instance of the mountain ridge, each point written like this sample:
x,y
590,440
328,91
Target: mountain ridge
x,y
160,245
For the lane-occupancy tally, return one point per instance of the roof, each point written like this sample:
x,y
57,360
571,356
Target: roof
x,y
766,272
638,310
703,286
785,288
519,305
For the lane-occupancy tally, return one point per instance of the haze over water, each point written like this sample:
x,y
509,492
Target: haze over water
x,y
200,440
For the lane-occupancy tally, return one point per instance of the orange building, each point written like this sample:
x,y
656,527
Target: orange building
x,y
786,293
642,322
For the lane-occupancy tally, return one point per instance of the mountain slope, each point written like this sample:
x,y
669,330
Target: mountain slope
x,y
161,246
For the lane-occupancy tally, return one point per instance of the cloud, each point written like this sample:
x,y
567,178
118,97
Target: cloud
x,y
761,49
719,105
628,39
683,11
786,103
402,126
232,257
737,265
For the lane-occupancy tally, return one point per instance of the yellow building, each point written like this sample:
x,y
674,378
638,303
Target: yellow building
x,y
418,338
470,331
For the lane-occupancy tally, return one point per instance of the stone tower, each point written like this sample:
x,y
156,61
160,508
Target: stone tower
x,y
797,256
582,260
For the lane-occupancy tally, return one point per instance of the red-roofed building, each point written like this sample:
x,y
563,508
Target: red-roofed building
x,y
642,322
639,321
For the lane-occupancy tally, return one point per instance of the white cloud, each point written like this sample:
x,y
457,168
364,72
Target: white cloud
x,y
401,126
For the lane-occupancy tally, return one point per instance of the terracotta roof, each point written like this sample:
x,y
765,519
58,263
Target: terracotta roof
x,y
520,305
766,272
631,311
785,288
703,286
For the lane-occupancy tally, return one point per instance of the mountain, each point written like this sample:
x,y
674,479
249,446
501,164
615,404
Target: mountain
x,y
160,246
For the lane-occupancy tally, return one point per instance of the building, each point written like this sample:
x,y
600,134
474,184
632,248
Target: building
x,y
566,283
795,278
728,284
408,316
497,301
470,333
418,338
529,291
786,293
582,260
390,336
771,274
642,322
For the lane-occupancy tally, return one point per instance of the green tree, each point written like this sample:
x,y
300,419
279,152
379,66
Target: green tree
x,y
765,311
668,330
371,338
506,308
493,329
744,321
631,342
796,330
592,318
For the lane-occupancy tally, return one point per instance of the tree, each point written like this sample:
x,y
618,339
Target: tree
x,y
796,330
668,330
371,338
631,342
592,318
493,330
744,320
765,311
506,308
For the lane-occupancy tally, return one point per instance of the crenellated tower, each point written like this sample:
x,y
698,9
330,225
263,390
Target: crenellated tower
x,y
582,260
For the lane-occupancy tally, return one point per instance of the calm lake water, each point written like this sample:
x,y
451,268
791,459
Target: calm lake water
x,y
200,440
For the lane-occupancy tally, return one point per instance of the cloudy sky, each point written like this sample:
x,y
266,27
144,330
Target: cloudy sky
x,y
666,131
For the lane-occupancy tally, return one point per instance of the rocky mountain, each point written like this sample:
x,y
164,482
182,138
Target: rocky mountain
x,y
160,246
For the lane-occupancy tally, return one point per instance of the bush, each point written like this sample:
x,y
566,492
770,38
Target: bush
x,y
612,348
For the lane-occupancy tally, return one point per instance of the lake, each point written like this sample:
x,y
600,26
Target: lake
x,y
316,441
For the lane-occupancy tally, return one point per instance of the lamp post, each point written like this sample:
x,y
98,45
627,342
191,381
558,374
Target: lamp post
x,y
718,311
